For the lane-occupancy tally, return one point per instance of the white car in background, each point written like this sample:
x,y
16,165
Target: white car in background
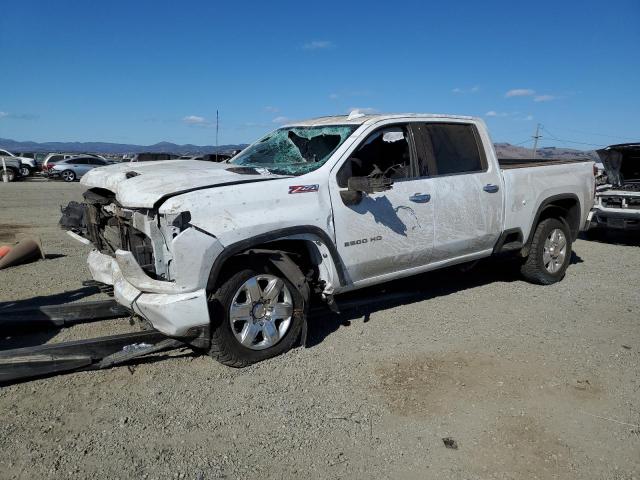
x,y
27,165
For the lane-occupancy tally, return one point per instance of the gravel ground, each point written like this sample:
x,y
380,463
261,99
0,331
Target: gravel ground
x,y
531,382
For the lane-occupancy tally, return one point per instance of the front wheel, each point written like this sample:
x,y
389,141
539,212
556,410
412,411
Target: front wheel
x,y
549,254
25,171
68,175
256,314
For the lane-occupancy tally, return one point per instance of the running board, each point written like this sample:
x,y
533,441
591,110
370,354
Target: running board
x,y
88,354
58,316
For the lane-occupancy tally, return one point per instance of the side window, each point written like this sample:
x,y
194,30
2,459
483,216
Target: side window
x,y
448,149
79,161
385,151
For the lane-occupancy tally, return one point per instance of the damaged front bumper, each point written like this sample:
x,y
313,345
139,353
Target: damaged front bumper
x,y
172,312
616,209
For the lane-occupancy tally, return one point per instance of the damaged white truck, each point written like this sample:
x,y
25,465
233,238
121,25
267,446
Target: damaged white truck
x,y
228,256
617,202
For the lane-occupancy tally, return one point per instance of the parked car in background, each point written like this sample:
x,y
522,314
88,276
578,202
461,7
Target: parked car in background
x,y
13,167
152,157
53,158
213,157
27,165
617,202
74,168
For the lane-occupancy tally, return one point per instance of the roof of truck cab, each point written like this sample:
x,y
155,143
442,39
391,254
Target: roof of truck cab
x,y
359,120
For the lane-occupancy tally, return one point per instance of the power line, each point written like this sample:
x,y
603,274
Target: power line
x,y
571,141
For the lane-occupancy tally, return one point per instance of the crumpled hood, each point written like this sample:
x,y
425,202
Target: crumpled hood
x,y
621,163
143,184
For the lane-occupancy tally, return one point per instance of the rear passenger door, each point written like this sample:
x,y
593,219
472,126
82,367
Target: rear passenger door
x,y
466,189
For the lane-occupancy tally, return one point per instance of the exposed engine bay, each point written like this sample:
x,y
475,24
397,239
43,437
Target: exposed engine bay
x,y
617,202
110,227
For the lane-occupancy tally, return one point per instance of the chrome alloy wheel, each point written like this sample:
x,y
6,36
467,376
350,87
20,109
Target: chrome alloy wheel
x,y
68,176
261,310
555,251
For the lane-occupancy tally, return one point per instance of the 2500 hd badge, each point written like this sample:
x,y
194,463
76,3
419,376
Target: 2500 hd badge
x,y
362,241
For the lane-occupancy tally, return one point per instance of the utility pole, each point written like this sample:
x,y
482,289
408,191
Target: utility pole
x,y
217,126
535,140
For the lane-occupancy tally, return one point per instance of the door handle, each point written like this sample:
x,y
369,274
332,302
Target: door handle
x,y
490,188
420,197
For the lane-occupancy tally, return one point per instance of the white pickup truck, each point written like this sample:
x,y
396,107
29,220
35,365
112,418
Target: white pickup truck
x,y
226,256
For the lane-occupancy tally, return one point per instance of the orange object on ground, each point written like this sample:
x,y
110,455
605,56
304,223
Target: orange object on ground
x,y
4,249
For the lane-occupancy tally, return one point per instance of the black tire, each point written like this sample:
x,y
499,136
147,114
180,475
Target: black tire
x,y
533,268
228,350
11,174
25,171
68,175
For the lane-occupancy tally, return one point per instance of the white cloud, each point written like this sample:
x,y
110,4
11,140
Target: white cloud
x,y
365,110
473,89
280,120
19,116
544,98
271,109
317,45
493,113
528,118
194,120
520,92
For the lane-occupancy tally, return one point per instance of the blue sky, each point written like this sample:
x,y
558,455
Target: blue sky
x,y
147,71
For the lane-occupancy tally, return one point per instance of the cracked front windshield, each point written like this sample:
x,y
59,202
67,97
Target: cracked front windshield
x,y
295,150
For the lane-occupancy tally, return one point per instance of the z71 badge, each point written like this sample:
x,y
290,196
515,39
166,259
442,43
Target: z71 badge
x,y
303,188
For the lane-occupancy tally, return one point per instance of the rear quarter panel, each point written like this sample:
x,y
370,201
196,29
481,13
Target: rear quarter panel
x,y
527,188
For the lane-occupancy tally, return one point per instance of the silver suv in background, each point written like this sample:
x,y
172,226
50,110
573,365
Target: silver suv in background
x,y
74,168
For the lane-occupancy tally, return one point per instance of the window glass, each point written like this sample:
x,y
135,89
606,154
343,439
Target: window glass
x,y
79,161
447,149
295,150
385,151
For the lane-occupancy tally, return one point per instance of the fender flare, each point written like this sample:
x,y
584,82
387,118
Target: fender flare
x,y
280,234
546,203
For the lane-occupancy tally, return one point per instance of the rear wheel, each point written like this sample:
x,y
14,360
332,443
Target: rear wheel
x,y
549,254
68,175
256,314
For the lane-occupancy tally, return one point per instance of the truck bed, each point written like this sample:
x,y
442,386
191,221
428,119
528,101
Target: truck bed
x,y
508,163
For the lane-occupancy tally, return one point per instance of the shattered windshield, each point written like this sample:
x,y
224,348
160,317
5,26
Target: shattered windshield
x,y
295,150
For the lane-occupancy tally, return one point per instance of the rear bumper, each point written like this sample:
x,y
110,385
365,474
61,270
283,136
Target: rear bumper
x,y
173,313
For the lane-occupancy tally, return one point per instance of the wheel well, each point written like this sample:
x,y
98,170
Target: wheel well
x,y
300,251
566,209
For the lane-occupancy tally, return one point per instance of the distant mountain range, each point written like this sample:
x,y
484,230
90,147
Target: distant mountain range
x,y
111,148
504,150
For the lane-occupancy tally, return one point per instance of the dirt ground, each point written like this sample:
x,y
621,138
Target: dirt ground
x,y
530,381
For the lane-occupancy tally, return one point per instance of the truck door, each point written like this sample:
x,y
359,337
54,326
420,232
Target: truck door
x,y
387,231
466,188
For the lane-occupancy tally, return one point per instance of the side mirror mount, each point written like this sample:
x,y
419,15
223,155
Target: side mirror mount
x,y
369,184
357,187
